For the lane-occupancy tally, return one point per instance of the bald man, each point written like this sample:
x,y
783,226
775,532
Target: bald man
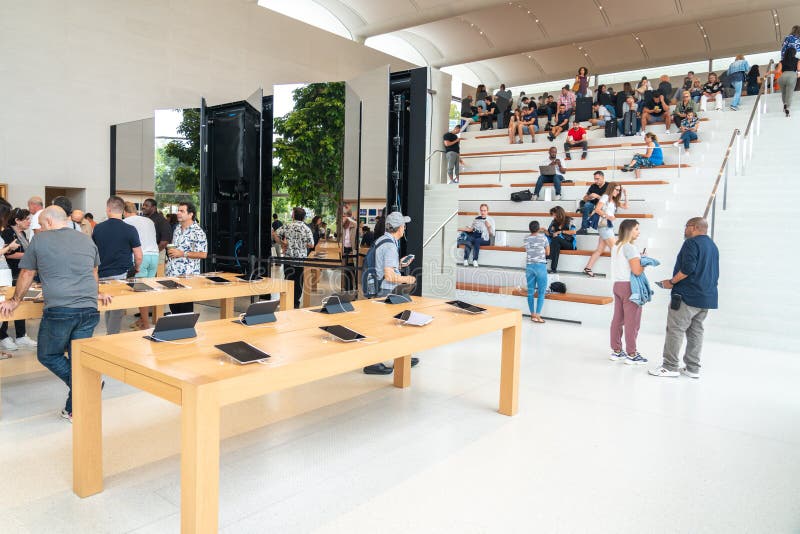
x,y
694,292
66,262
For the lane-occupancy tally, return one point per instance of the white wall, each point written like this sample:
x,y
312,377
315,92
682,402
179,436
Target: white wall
x,y
438,115
71,69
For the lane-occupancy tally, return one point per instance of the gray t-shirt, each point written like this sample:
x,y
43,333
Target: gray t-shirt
x,y
387,255
479,225
65,260
535,246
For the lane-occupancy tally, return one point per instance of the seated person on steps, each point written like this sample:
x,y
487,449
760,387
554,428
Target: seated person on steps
x,y
603,116
656,109
711,90
487,115
590,199
653,157
685,103
561,234
562,122
688,129
555,179
576,137
478,234
522,122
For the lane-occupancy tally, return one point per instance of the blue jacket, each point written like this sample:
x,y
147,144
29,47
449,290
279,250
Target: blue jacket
x,y
641,293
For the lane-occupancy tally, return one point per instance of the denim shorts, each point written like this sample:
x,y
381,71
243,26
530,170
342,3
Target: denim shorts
x,y
148,267
605,232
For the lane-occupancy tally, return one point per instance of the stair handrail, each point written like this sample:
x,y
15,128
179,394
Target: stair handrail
x,y
711,205
439,229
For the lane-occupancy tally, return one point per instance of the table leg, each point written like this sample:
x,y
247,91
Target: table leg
x,y
402,372
158,311
287,297
87,431
509,369
199,461
225,308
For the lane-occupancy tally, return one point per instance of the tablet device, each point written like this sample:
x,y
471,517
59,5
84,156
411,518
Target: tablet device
x,y
171,284
413,318
175,326
243,353
338,303
467,307
342,334
139,287
249,277
217,280
393,298
260,312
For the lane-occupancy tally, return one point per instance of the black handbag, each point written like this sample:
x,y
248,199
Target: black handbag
x,y
521,196
558,287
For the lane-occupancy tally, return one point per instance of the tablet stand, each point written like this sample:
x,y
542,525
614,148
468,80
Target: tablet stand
x,y
393,298
261,318
337,306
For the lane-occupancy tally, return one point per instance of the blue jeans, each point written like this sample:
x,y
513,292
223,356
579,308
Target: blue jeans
x,y
586,212
501,117
474,242
536,276
554,179
737,93
58,328
687,137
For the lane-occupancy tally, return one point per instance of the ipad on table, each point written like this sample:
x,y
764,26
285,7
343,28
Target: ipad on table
x,y
413,318
466,306
242,352
217,280
342,333
140,287
170,284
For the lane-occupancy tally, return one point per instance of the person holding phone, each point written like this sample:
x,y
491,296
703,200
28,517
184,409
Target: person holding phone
x,y
478,234
19,220
694,291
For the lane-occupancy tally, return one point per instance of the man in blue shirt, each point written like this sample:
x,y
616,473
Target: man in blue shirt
x,y
694,292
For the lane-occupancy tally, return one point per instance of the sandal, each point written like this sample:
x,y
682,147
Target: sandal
x,y
588,272
539,320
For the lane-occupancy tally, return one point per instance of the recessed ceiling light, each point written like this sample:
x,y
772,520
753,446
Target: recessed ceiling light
x,y
600,7
481,33
641,45
777,24
705,36
537,20
529,57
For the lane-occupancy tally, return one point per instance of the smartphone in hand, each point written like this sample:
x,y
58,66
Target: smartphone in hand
x,y
660,284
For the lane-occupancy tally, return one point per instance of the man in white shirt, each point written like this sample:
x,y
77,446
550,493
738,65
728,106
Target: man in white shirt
x,y
35,206
147,236
603,116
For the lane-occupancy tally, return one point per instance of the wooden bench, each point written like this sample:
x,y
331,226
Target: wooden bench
x,y
545,149
541,132
574,169
582,183
598,300
547,214
522,249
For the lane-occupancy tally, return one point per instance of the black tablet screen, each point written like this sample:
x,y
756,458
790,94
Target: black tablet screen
x,y
242,352
170,284
217,279
345,334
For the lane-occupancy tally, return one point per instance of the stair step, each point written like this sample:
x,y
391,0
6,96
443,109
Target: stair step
x,y
507,290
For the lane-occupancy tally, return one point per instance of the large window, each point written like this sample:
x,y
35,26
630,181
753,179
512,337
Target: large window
x,y
309,12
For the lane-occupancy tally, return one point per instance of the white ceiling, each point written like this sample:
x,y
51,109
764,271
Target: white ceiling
x,y
502,42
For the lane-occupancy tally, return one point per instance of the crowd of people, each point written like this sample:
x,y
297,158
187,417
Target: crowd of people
x,y
72,256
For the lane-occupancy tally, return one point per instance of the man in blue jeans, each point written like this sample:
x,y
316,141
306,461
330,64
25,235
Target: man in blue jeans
x,y
590,199
66,262
555,178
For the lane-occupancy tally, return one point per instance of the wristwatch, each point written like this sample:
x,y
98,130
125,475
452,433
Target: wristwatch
x,y
185,253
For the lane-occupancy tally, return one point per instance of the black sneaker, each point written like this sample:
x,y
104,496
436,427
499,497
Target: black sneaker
x,y
582,231
414,362
378,369
568,156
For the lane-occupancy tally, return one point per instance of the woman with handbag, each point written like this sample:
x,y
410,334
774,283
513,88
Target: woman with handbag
x,y
562,235
604,216
581,85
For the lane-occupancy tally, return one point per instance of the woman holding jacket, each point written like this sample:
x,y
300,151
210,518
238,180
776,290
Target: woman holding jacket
x,y
625,261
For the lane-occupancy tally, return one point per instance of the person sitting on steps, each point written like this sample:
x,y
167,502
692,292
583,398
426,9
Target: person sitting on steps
x,y
656,109
712,90
653,157
590,199
576,137
478,234
685,103
561,234
688,129
555,179
562,122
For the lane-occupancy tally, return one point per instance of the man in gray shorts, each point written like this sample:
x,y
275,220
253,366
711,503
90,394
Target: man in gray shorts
x,y
452,153
67,265
388,263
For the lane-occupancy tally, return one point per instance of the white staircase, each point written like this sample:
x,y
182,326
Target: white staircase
x,y
670,195
757,237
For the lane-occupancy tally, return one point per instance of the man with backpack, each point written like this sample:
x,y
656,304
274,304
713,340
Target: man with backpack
x,y
382,272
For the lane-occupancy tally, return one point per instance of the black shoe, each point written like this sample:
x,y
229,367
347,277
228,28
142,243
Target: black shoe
x,y
378,369
552,271
582,231
414,362
568,156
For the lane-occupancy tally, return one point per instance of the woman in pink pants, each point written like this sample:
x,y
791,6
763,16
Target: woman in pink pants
x,y
625,260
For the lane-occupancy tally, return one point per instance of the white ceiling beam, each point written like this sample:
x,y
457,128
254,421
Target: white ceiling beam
x,y
522,46
424,16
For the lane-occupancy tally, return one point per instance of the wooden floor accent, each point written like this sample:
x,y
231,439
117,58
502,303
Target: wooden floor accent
x,y
547,214
522,249
604,168
475,186
545,149
523,292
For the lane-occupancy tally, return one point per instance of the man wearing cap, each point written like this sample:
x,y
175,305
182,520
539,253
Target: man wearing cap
x,y
388,262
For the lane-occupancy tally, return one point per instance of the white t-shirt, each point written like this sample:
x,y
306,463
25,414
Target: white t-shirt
x,y
35,221
603,113
620,264
147,232
609,208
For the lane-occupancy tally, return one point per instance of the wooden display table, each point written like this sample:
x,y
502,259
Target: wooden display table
x,y
199,289
201,379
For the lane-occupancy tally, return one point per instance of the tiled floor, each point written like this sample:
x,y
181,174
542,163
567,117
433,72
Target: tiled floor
x,y
597,447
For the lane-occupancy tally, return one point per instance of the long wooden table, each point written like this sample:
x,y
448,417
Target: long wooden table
x,y
201,379
198,289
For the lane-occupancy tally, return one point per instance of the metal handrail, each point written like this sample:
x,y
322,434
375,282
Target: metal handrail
x,y
434,151
758,100
439,229
723,169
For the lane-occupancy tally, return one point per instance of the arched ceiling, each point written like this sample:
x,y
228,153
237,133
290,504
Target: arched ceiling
x,y
521,42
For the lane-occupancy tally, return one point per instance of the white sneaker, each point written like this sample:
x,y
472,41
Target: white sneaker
x,y
558,197
25,341
66,415
474,263
685,372
663,372
466,263
8,344
676,143
535,197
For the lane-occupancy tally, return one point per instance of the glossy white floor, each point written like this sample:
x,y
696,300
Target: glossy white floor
x,y
597,447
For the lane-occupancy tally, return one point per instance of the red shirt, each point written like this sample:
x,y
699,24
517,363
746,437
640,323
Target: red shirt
x,y
577,133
